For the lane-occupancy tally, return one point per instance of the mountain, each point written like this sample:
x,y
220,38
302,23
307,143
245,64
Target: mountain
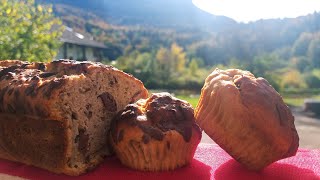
x,y
146,25
141,34
156,13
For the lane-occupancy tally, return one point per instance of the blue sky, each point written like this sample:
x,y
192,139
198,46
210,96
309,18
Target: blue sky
x,y
252,10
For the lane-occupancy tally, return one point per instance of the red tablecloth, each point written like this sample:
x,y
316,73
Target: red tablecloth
x,y
210,162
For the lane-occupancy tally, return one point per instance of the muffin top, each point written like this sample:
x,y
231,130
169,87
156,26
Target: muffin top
x,y
247,117
240,94
155,116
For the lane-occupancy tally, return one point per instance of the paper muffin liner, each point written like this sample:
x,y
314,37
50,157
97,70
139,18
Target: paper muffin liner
x,y
170,153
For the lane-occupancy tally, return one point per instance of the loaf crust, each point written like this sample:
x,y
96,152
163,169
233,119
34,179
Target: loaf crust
x,y
247,118
56,115
34,141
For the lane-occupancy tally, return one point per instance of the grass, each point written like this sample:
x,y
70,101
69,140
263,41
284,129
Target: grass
x,y
291,101
193,100
296,101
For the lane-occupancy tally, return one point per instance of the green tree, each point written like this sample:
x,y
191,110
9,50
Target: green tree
x,y
314,52
300,46
267,66
302,63
28,31
143,62
312,78
193,67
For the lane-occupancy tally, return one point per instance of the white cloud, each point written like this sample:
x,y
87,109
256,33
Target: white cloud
x,y
251,10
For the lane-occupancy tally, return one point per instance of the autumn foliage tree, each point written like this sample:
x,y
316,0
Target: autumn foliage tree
x,y
293,79
164,64
178,58
28,31
165,68
171,61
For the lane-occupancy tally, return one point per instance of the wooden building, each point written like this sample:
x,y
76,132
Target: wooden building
x,y
80,47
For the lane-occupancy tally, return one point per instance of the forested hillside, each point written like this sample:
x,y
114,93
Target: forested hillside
x,y
163,39
158,13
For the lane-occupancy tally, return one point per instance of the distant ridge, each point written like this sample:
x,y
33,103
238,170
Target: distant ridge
x,y
155,13
146,25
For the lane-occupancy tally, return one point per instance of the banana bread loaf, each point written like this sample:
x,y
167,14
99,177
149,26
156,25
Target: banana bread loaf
x,y
56,115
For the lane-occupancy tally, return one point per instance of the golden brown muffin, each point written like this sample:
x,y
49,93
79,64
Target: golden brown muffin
x,y
247,118
156,134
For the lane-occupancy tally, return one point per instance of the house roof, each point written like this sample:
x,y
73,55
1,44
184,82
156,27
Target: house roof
x,y
70,36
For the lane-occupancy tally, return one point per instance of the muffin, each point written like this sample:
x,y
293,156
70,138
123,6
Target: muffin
x,y
247,118
155,134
